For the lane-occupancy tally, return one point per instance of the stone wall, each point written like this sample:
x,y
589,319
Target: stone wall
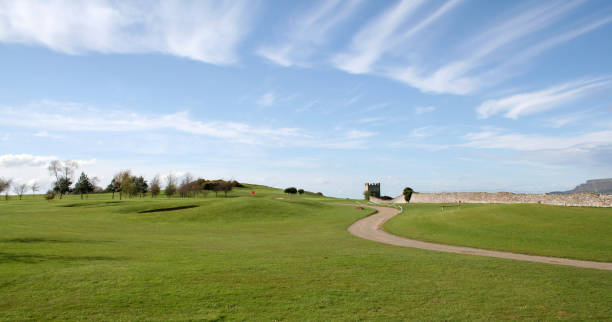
x,y
574,199
398,199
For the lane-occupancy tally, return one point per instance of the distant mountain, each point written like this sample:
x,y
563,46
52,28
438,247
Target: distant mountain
x,y
596,185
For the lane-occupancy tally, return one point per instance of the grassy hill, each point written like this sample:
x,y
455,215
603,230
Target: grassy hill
x,y
263,257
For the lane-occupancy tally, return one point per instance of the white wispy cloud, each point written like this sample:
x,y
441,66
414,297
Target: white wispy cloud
x,y
586,149
371,42
368,120
483,53
309,32
487,54
29,160
357,134
308,106
267,99
353,99
518,105
74,117
419,110
527,53
493,139
63,117
424,132
375,107
207,31
17,160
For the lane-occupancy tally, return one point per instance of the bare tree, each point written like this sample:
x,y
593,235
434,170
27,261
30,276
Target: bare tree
x,y
5,185
226,186
63,173
123,180
185,186
34,187
155,186
20,189
170,185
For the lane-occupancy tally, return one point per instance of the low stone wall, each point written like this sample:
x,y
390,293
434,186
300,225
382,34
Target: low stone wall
x,y
398,199
574,199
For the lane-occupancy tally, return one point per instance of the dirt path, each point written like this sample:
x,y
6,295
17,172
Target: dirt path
x,y
371,228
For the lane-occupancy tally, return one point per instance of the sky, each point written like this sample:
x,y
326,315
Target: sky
x,y
322,95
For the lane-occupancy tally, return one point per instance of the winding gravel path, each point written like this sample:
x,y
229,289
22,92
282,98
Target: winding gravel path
x,y
371,228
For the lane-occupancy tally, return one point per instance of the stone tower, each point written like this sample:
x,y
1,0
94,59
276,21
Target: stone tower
x,y
373,188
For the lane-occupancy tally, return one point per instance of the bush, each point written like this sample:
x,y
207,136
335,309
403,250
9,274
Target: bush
x,y
301,191
291,190
50,195
407,193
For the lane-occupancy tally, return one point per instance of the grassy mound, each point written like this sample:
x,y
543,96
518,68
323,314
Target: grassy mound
x,y
258,258
570,232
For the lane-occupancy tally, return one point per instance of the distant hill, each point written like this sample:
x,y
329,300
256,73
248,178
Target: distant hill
x,y
596,185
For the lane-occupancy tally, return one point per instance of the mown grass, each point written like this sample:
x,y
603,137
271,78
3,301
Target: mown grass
x,y
570,232
258,258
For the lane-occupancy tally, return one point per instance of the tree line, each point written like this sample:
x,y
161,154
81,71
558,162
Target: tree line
x,y
124,183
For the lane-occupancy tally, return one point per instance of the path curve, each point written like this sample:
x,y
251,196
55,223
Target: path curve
x,y
371,228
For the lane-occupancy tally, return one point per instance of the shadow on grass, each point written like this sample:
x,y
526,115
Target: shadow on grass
x,y
90,203
27,240
38,258
167,209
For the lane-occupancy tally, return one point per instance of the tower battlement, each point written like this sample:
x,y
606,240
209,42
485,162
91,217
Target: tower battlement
x,y
373,189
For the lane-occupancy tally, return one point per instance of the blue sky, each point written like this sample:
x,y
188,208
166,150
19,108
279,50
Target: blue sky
x,y
323,95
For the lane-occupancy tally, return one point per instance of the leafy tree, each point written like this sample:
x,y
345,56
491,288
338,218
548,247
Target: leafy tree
x,y
407,194
113,187
20,189
291,190
34,187
140,186
124,181
84,185
62,186
155,186
366,195
301,191
170,185
5,185
63,173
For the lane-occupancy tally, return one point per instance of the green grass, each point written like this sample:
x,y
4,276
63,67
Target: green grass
x,y
258,258
570,232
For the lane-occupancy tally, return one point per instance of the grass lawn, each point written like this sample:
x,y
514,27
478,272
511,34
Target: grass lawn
x,y
571,232
258,258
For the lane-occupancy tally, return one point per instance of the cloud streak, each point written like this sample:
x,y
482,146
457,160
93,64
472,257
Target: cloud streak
x,y
74,117
372,41
535,142
487,54
309,33
205,31
28,160
518,105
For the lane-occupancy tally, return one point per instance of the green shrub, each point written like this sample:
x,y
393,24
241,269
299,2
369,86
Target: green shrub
x,y
407,193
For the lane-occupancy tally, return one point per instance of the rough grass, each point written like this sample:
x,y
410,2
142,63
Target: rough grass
x,y
258,258
570,232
